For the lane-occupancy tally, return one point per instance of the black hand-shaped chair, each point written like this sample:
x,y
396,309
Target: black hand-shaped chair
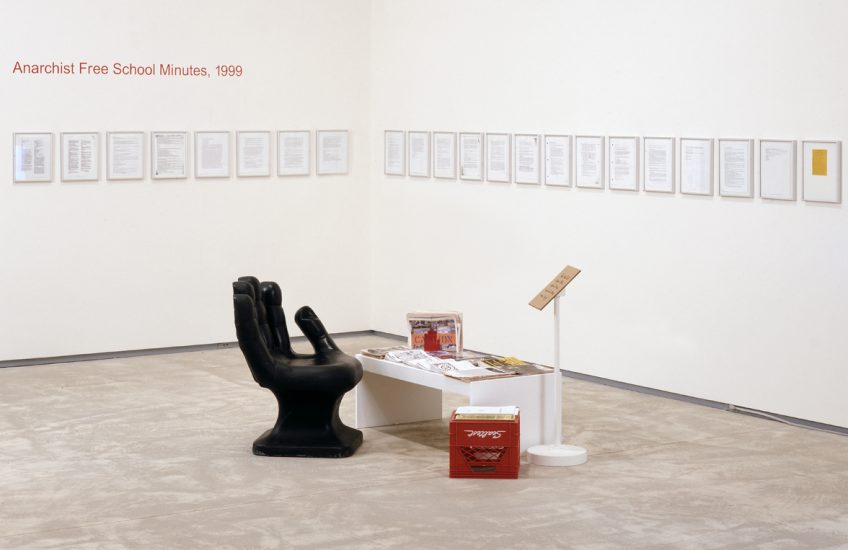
x,y
308,388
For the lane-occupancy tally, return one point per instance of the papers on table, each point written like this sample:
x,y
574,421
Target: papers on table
x,y
465,366
422,360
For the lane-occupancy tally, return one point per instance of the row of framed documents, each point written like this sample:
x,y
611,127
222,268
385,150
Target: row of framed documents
x,y
169,154
627,163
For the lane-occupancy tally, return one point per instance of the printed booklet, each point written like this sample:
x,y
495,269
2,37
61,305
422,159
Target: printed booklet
x,y
435,330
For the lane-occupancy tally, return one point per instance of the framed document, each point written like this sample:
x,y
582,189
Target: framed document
x,y
822,171
624,163
332,152
497,157
696,166
211,154
125,155
558,160
168,155
80,156
419,154
527,158
658,164
293,152
470,156
736,167
393,153
32,157
444,155
777,169
253,154
589,161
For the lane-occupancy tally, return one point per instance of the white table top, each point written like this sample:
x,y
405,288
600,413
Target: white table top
x,y
399,371
436,380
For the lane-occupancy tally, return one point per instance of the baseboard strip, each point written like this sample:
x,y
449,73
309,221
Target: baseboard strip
x,y
798,422
792,421
149,351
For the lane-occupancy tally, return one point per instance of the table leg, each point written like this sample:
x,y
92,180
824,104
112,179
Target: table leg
x,y
532,395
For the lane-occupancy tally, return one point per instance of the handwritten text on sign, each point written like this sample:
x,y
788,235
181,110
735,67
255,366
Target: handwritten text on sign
x,y
554,287
87,68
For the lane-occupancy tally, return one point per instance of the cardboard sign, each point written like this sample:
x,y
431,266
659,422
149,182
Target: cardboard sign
x,y
554,287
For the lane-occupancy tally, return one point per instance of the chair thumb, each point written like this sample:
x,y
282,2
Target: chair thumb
x,y
314,330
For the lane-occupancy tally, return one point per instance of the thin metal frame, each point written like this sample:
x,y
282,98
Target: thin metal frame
x,y
711,141
62,176
837,171
429,153
538,159
197,173
545,159
153,156
673,166
109,156
453,157
508,158
267,173
638,172
750,143
459,155
308,153
318,152
794,169
15,158
602,163
402,153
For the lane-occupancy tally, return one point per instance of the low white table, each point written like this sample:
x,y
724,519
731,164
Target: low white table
x,y
394,393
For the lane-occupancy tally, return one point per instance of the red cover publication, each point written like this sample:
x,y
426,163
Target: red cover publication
x,y
435,330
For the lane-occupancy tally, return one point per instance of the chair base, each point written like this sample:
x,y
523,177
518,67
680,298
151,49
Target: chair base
x,y
340,445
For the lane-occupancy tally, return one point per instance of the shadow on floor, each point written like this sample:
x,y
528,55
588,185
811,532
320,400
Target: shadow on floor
x,y
433,433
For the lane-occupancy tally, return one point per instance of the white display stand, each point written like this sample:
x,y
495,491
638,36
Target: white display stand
x,y
394,393
557,454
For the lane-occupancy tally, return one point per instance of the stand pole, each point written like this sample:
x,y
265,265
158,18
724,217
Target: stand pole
x,y
557,454
557,375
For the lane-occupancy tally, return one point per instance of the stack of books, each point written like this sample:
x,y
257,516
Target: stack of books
x,y
435,330
486,413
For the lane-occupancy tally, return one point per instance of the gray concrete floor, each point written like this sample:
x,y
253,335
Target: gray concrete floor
x,y
154,452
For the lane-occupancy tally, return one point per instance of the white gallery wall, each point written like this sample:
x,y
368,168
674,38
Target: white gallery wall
x,y
122,265
735,300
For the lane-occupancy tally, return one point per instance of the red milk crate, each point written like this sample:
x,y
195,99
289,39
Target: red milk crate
x,y
485,448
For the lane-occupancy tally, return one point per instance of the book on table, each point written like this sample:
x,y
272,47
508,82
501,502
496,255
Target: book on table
x,y
477,373
514,365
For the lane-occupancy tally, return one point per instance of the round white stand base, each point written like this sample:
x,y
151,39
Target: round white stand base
x,y
556,455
